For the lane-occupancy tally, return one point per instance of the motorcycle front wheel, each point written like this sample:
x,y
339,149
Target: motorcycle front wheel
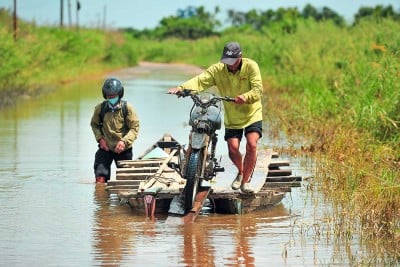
x,y
193,172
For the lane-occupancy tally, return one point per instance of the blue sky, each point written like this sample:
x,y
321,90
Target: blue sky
x,y
148,13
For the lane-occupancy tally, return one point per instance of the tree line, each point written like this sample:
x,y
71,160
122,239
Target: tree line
x,y
195,22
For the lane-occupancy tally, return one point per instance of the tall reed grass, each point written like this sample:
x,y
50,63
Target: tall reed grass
x,y
339,87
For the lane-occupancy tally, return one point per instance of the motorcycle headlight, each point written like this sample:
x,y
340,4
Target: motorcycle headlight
x,y
205,98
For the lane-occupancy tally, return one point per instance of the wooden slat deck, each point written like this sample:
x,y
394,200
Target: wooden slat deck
x,y
278,163
135,179
136,163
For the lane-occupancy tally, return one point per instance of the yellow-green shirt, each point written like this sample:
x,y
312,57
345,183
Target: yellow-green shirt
x,y
246,81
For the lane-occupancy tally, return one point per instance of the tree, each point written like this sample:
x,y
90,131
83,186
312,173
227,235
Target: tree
x,y
190,23
325,14
377,13
311,12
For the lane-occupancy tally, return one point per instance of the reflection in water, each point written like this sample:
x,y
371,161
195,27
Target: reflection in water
x,y
198,249
111,233
228,240
246,230
121,238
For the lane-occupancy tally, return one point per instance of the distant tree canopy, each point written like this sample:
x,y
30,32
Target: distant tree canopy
x,y
190,23
287,17
377,13
196,22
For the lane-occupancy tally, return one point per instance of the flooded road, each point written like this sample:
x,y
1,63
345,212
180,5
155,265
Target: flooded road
x,y
52,213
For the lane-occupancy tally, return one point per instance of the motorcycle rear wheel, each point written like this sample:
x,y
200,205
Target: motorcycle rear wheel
x,y
193,172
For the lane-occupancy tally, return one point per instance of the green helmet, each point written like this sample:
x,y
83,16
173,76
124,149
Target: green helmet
x,y
112,86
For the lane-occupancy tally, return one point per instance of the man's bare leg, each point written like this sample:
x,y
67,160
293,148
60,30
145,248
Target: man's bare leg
x,y
250,158
234,154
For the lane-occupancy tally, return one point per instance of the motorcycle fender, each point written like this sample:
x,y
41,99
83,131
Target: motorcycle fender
x,y
198,140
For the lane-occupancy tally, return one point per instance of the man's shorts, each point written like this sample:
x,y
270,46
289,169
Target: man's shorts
x,y
238,133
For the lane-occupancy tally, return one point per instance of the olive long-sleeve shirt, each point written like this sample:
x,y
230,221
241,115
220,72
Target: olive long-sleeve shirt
x,y
116,126
246,81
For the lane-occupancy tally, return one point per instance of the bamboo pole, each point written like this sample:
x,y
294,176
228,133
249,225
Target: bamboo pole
x,y
15,21
61,13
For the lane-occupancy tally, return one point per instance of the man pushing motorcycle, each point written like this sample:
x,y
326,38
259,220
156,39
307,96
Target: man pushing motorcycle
x,y
240,78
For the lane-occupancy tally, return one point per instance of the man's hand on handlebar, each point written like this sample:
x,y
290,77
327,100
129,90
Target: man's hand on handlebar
x,y
180,92
240,99
174,90
186,92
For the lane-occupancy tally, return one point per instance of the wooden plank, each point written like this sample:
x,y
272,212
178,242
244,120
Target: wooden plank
x,y
163,194
173,179
123,182
143,186
279,172
281,184
149,170
127,193
170,183
133,176
260,170
247,203
135,163
137,169
279,163
228,194
166,143
119,191
152,190
140,161
123,187
283,189
270,154
275,179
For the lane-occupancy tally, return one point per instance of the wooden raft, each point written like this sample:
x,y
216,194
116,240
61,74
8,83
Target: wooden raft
x,y
149,180
271,179
149,177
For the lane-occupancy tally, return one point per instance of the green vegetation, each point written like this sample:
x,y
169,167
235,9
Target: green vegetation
x,y
45,56
334,85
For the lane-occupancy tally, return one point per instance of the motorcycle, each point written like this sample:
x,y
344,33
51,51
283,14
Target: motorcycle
x,y
198,163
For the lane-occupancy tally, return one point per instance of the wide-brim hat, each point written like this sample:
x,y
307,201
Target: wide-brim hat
x,y
231,53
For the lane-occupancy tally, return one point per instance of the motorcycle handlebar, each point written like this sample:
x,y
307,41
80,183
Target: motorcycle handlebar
x,y
185,93
192,93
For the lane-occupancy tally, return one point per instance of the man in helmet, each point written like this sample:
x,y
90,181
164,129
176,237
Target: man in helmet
x,y
240,78
115,126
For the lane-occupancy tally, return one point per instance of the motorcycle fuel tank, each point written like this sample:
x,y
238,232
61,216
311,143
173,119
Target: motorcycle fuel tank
x,y
212,116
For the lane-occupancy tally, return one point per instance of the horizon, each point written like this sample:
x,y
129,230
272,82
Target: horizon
x,y
126,14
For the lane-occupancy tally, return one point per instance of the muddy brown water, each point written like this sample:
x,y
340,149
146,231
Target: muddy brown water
x,y
52,213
